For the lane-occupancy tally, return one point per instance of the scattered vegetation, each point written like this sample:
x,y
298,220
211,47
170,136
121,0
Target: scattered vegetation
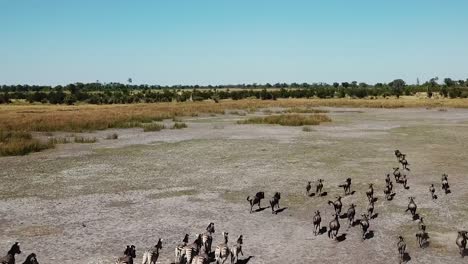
x,y
112,136
59,140
79,139
13,143
151,127
307,129
288,120
178,125
305,110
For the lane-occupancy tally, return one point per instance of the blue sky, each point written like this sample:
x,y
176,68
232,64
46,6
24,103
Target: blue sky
x,y
227,42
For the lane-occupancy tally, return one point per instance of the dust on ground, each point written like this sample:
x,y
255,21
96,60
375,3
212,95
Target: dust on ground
x,y
86,202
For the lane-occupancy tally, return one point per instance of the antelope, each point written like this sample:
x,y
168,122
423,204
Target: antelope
x,y
421,236
404,181
10,257
222,251
255,200
151,255
346,186
274,202
404,162
387,178
319,187
334,227
31,259
316,220
236,250
207,237
370,192
445,185
337,205
461,242
398,154
401,248
396,174
411,206
421,224
370,209
179,249
432,190
365,225
388,190
129,255
351,212
308,187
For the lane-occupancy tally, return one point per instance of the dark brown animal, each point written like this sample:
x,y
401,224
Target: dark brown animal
x,y
256,200
10,257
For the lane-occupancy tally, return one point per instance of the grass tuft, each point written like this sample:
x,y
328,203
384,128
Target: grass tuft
x,y
288,120
152,127
179,125
112,136
305,110
14,143
85,140
307,129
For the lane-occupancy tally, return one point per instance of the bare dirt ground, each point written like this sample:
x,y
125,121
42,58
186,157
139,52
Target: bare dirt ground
x,y
83,203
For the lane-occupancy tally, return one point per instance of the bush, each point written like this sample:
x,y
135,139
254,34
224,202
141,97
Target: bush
x,y
288,120
152,127
112,136
85,140
179,125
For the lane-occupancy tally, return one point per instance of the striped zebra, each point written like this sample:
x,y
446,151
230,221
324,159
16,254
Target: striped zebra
x,y
201,258
191,250
151,255
222,251
236,250
179,248
129,255
207,238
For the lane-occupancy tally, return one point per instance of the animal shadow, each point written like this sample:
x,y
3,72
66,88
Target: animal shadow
x,y
369,234
416,217
407,188
356,222
261,209
244,261
352,193
341,237
465,252
312,195
406,257
436,197
280,210
344,215
374,216
375,199
323,230
323,194
448,191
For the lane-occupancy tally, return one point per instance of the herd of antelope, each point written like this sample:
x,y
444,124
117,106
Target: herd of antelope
x,y
200,250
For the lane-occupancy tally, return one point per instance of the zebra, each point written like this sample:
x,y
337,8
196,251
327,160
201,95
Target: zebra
x,y
365,225
10,257
179,249
274,202
337,205
316,220
308,187
412,206
207,237
346,186
404,162
370,192
401,248
432,190
129,255
422,237
334,227
151,255
351,212
191,250
370,209
222,251
31,259
201,258
397,174
237,249
461,242
445,185
319,187
256,200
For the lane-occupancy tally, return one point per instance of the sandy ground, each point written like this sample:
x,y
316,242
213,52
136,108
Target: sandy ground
x,y
83,203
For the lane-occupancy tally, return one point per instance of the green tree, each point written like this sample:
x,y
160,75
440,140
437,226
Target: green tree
x,y
398,87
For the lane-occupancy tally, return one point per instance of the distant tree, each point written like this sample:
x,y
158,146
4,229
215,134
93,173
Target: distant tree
x,y
397,86
449,82
336,85
345,84
129,80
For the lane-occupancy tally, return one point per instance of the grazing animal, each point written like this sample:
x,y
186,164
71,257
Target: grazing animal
x,y
445,185
432,190
31,259
129,255
319,187
222,251
365,225
10,257
401,248
337,205
351,212
370,209
334,227
461,242
346,186
237,249
151,255
207,237
316,220
180,249
256,200
411,206
274,202
396,174
422,237
370,192
308,187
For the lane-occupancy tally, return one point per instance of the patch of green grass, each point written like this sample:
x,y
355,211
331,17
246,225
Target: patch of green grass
x,y
179,125
288,120
85,140
152,127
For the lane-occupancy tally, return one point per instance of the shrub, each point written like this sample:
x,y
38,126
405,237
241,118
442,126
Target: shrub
x,y
112,136
152,127
307,129
60,140
288,120
85,140
179,125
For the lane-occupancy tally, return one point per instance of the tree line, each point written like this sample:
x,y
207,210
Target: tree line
x,y
117,93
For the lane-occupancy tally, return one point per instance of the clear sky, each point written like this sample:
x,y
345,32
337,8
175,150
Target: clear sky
x,y
231,41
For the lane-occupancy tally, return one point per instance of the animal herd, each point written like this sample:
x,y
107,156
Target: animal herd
x,y
200,250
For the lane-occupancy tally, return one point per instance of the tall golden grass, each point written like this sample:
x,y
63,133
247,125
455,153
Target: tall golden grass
x,y
20,143
288,120
96,117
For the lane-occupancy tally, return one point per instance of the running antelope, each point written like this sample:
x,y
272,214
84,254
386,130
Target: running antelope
x,y
337,205
365,225
422,237
316,220
255,200
346,186
334,227
222,251
31,259
129,255
401,248
274,202
10,257
370,192
151,255
351,213
237,249
207,237
411,206
461,242
319,187
404,162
